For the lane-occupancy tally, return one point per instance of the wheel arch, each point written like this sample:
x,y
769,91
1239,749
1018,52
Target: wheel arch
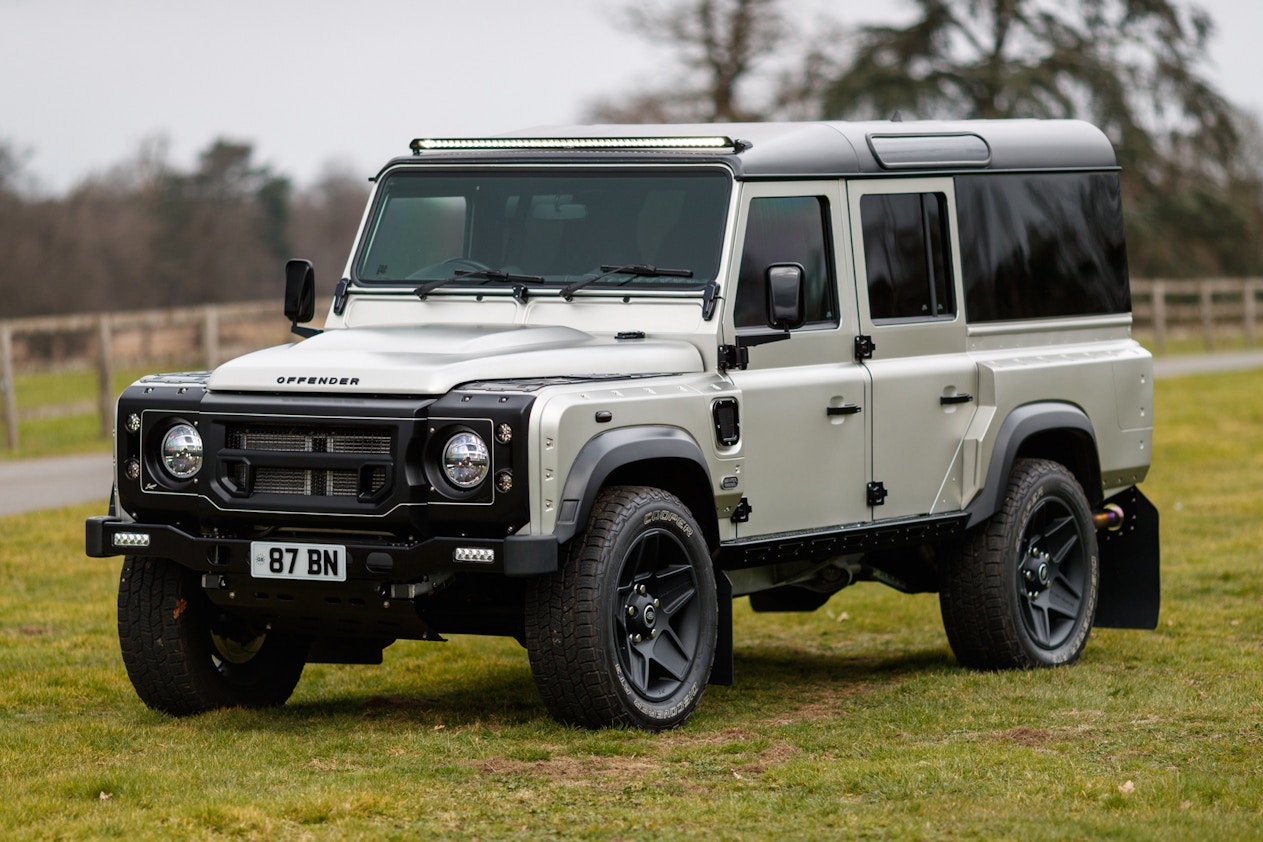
x,y
660,456
1061,432
663,457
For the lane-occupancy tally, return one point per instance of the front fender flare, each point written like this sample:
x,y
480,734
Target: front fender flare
x,y
607,452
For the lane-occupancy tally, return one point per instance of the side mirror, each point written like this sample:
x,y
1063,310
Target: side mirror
x,y
300,296
785,295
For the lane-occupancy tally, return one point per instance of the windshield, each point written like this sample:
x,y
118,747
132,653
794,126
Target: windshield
x,y
547,227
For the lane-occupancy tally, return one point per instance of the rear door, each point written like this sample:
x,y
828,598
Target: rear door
x,y
924,383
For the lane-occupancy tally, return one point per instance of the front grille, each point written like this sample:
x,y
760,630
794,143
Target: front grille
x,y
311,483
292,439
307,459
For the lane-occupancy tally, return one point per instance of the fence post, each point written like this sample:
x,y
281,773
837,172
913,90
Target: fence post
x,y
105,380
1251,310
8,387
1159,294
210,335
1206,295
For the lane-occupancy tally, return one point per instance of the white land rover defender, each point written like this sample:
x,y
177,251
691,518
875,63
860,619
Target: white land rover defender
x,y
585,386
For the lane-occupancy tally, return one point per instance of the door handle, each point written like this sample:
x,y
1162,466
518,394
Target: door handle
x,y
948,400
844,409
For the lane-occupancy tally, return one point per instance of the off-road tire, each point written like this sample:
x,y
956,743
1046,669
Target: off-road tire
x,y
1022,590
603,651
185,656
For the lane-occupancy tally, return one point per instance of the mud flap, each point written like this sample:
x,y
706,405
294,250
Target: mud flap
x,y
1130,581
721,671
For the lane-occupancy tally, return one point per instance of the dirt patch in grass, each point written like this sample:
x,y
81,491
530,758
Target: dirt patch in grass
x,y
680,749
599,771
1029,737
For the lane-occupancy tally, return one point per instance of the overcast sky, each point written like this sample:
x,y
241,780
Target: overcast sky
x,y
309,82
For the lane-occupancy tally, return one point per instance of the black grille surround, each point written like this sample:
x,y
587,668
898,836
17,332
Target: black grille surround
x,y
308,463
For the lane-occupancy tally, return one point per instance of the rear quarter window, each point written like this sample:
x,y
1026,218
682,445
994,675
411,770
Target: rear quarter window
x,y
1042,245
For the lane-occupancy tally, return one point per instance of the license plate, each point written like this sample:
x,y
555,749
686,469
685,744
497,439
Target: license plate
x,y
311,562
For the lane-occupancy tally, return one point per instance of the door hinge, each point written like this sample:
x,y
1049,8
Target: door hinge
x,y
876,493
733,356
741,514
737,355
864,347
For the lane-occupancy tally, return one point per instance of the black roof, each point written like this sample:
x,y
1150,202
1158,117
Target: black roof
x,y
826,148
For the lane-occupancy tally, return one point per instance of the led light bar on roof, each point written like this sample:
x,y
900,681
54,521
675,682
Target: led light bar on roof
x,y
422,143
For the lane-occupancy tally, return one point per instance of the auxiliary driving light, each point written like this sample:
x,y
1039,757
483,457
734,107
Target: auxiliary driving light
x,y
504,482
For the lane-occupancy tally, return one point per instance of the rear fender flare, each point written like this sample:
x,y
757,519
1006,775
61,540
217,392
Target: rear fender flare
x,y
1021,425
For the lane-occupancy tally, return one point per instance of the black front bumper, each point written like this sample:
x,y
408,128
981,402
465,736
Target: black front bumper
x,y
514,556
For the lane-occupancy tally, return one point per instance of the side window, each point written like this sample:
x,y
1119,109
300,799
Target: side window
x,y
1042,245
905,252
786,229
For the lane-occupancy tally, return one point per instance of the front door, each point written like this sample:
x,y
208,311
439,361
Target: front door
x,y
804,400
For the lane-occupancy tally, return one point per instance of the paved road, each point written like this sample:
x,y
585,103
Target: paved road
x,y
1207,363
28,485
31,485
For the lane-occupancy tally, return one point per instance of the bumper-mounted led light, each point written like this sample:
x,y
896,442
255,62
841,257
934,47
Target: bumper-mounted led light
x,y
131,539
474,555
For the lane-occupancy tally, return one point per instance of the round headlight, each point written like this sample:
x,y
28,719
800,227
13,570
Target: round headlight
x,y
182,451
465,460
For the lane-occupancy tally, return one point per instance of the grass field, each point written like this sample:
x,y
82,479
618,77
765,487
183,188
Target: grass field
x,y
852,722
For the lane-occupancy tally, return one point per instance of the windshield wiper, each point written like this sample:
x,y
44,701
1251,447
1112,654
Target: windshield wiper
x,y
639,269
483,274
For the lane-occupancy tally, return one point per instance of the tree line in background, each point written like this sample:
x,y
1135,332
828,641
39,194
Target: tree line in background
x,y
1192,163
148,235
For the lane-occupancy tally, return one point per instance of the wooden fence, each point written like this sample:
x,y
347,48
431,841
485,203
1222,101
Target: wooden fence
x,y
188,337
1214,308
205,336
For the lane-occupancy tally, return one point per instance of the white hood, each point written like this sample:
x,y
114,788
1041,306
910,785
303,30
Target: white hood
x,y
431,359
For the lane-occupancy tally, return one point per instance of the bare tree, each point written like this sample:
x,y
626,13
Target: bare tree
x,y
145,234
223,228
1132,67
323,220
10,167
721,45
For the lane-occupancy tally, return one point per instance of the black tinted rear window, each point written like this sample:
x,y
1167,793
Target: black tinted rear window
x,y
1042,245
